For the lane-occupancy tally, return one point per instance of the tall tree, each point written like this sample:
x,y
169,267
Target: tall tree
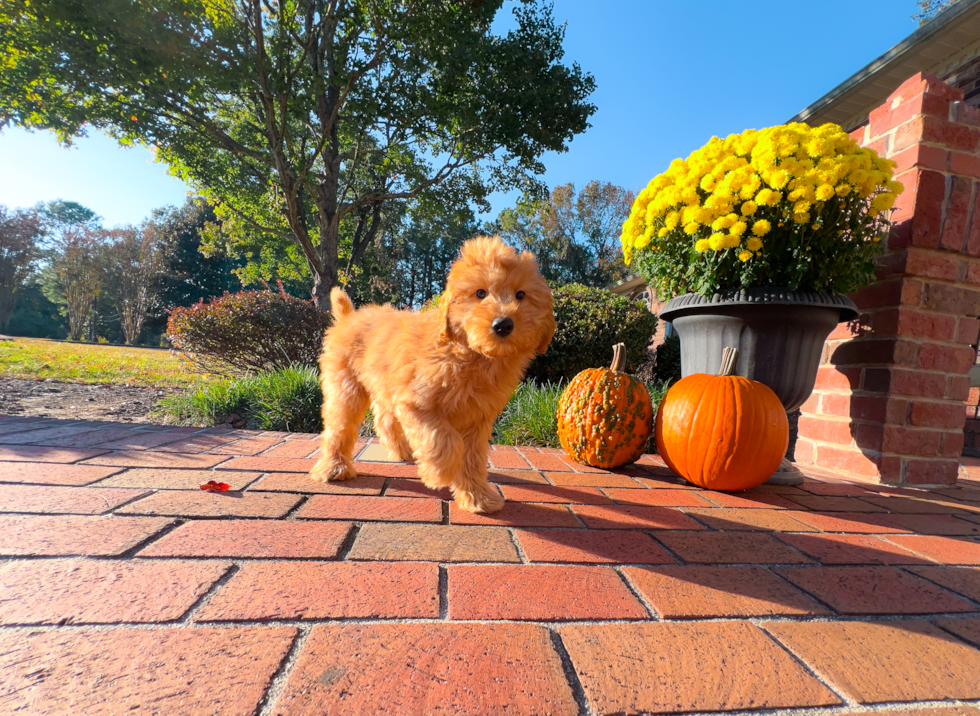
x,y
72,277
426,247
135,263
20,231
60,218
191,275
303,118
75,275
574,236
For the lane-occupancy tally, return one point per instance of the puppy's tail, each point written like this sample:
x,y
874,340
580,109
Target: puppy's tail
x,y
340,303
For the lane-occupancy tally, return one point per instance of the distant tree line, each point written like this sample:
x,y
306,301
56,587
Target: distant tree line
x,y
65,275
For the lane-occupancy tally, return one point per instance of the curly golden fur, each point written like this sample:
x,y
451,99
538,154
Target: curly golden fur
x,y
436,380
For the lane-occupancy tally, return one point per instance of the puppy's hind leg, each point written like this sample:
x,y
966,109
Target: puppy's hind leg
x,y
344,403
390,432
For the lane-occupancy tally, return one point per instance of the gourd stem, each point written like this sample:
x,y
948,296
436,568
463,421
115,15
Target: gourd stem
x,y
729,359
619,358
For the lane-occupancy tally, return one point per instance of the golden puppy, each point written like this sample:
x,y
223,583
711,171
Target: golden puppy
x,y
436,380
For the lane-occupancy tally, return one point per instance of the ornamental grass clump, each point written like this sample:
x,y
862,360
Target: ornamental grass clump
x,y
790,206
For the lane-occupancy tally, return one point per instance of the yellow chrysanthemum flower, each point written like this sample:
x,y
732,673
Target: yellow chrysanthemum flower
x,y
825,192
768,197
818,147
779,178
883,202
791,173
723,222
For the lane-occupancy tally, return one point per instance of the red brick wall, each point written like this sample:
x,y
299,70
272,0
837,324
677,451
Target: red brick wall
x,y
889,399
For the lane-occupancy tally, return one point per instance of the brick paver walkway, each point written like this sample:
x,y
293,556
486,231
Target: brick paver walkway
x,y
125,588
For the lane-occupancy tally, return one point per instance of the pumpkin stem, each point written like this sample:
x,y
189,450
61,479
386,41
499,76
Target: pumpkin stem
x,y
729,359
619,358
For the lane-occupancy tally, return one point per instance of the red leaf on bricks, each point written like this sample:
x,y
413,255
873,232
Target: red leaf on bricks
x,y
216,486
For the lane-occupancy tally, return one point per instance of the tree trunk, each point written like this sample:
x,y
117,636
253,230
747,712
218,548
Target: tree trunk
x,y
321,292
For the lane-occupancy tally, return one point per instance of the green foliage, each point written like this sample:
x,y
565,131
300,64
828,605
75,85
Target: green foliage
x,y
287,399
425,249
590,322
530,416
36,316
20,233
574,237
657,388
249,331
668,368
798,259
301,121
190,275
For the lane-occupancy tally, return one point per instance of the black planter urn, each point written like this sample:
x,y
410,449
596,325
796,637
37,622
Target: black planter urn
x,y
779,334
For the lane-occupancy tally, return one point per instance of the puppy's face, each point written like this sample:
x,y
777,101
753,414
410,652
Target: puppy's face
x,y
496,302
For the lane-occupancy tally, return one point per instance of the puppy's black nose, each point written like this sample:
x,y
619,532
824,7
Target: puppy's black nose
x,y
502,326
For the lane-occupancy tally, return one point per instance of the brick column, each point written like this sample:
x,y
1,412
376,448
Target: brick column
x,y
888,404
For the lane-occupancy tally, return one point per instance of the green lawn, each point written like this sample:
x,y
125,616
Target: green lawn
x,y
68,362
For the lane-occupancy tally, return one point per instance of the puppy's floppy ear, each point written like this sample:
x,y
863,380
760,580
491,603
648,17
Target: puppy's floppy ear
x,y
446,330
547,333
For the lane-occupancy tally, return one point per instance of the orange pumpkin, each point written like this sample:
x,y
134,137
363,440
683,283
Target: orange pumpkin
x,y
722,432
604,416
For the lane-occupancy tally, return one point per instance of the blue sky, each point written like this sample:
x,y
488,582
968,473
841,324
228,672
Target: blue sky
x,y
669,74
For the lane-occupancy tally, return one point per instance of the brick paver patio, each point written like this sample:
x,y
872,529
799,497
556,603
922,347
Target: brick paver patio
x,y
125,588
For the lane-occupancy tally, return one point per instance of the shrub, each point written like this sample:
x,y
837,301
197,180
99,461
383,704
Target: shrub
x,y
590,321
668,366
249,331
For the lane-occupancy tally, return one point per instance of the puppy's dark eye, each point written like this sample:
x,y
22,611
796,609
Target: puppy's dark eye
x,y
519,295
480,293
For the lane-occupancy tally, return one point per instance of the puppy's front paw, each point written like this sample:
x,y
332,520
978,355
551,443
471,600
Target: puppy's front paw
x,y
331,470
486,500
